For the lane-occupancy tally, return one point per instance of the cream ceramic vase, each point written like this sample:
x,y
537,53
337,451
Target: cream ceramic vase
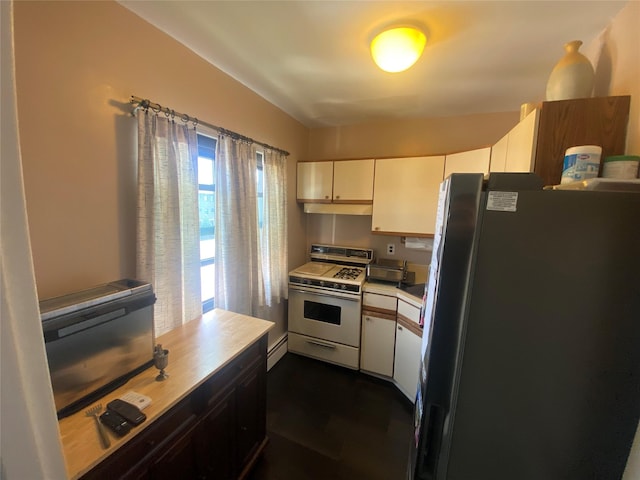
x,y
573,75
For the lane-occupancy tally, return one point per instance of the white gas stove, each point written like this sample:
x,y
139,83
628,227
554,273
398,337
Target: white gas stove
x,y
332,268
325,298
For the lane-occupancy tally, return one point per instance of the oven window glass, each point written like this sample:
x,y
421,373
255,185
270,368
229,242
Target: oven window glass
x,y
322,312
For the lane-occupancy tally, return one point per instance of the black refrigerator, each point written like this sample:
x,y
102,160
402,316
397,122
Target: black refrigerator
x,y
530,365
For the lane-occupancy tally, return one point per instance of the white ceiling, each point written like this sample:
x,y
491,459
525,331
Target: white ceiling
x,y
311,57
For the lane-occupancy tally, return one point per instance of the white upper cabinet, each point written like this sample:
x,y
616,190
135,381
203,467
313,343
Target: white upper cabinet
x,y
405,195
353,181
315,181
473,161
521,149
499,155
346,181
516,151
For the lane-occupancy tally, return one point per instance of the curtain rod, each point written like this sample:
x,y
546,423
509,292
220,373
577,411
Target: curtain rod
x,y
156,107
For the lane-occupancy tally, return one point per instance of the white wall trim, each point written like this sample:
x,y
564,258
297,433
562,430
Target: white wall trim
x,y
276,351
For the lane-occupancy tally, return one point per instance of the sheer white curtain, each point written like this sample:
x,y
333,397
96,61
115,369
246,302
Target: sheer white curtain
x,y
168,243
251,258
29,440
273,234
237,267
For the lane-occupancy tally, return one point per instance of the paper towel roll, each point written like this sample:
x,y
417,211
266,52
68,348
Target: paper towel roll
x,y
418,243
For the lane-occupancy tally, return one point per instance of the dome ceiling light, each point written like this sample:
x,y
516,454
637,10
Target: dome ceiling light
x,y
397,49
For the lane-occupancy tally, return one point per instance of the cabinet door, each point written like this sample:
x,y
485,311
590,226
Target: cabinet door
x,y
582,121
521,150
377,344
379,303
251,413
473,161
217,438
315,182
405,195
499,155
353,181
407,361
179,460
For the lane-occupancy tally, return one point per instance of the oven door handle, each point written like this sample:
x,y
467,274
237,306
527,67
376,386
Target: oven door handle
x,y
323,345
334,295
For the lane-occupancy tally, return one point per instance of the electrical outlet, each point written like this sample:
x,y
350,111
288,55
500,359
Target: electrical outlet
x,y
391,248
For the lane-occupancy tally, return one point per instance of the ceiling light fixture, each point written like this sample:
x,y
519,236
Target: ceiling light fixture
x,y
397,49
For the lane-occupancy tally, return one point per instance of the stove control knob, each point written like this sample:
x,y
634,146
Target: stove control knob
x,y
344,287
322,283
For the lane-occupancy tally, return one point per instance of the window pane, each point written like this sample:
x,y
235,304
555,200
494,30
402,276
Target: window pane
x,y
205,171
260,188
206,200
207,281
207,214
207,248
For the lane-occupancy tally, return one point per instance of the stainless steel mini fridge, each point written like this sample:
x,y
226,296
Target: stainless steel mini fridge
x,y
530,364
96,340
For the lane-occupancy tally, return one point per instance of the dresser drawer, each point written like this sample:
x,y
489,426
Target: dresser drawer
x,y
379,303
408,311
324,350
135,455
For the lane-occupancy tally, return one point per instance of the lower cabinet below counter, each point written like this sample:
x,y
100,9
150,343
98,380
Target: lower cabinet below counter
x,y
377,343
217,431
406,365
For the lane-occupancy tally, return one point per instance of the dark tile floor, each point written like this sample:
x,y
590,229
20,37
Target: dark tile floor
x,y
325,422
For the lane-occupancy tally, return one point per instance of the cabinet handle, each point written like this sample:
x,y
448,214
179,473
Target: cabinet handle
x,y
399,328
377,228
337,197
323,345
367,319
326,197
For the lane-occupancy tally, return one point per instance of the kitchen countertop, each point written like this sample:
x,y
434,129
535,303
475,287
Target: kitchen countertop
x,y
394,291
197,350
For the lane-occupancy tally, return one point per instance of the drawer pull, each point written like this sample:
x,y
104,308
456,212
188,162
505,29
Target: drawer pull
x,y
323,345
399,328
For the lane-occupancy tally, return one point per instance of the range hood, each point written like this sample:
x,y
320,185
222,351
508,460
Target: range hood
x,y
339,208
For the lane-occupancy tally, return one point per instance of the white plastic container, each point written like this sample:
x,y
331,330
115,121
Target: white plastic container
x,y
581,163
621,166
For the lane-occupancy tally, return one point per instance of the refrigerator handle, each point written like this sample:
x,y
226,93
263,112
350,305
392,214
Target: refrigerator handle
x,y
433,439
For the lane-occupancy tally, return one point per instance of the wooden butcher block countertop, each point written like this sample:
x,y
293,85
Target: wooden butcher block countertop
x,y
197,350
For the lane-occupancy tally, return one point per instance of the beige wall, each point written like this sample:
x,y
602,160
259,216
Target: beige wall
x,y
398,138
77,64
616,58
409,137
615,55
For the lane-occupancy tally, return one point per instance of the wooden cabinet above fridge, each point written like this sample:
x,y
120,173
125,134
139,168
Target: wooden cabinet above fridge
x,y
538,143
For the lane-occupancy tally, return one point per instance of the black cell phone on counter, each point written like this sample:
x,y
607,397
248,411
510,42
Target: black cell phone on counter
x,y
115,422
126,410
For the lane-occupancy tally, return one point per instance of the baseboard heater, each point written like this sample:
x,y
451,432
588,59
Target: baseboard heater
x,y
276,351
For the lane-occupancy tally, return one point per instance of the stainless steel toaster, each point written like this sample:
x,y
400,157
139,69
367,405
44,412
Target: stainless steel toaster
x,y
387,270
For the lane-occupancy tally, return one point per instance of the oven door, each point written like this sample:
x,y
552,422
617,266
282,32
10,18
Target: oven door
x,y
325,315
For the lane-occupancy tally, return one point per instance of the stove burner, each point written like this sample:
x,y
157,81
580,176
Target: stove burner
x,y
348,273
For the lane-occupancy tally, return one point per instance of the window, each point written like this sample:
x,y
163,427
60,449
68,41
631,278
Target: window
x,y
207,216
260,187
